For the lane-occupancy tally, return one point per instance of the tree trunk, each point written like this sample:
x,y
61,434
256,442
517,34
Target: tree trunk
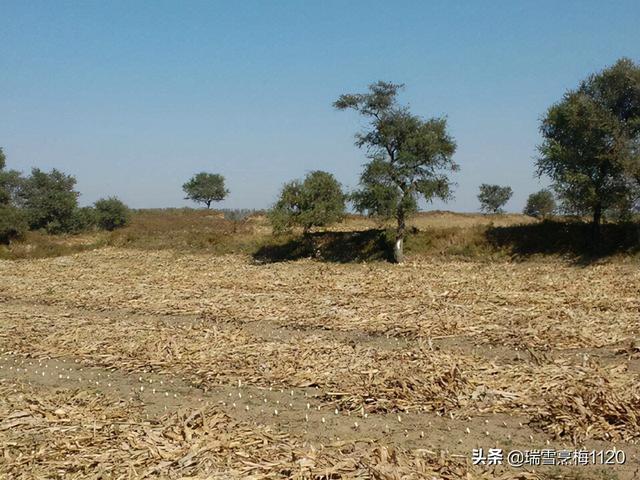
x,y
208,204
308,243
597,220
398,246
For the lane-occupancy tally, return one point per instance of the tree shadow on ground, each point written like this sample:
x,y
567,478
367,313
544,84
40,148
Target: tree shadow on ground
x,y
574,239
340,247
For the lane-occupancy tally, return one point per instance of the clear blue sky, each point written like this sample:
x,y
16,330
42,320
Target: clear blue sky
x,y
133,97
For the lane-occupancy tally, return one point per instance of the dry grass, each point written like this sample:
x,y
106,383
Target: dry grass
x,y
582,403
208,231
534,303
42,245
186,229
431,347
436,220
79,434
434,234
543,308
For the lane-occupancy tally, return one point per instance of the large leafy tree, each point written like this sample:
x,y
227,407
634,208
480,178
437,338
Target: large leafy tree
x,y
9,182
409,157
316,201
13,223
49,200
493,197
4,194
591,143
617,90
205,188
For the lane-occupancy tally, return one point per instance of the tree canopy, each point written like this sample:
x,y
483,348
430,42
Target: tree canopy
x,y
591,143
4,192
316,201
13,223
540,204
49,199
493,197
409,157
205,188
111,213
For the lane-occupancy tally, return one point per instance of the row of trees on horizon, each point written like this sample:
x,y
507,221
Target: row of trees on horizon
x,y
48,201
590,152
320,192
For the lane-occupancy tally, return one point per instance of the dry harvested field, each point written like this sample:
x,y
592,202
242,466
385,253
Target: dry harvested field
x,y
119,363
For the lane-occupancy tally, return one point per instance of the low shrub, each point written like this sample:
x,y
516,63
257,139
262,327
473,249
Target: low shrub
x,y
82,219
111,213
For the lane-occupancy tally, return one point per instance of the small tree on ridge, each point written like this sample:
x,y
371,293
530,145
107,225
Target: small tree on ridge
x,y
493,198
205,188
316,201
111,213
540,204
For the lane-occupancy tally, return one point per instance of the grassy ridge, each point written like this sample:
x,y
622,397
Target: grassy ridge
x,y
356,239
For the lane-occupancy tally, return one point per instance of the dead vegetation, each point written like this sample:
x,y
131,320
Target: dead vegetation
x,y
429,342
209,231
430,234
79,434
591,402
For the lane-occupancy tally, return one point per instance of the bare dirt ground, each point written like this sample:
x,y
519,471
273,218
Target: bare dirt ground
x,y
128,364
